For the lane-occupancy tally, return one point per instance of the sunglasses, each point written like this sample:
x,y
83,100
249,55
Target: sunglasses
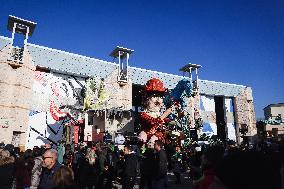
x,y
45,157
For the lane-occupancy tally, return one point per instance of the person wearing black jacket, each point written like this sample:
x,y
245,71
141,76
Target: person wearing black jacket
x,y
147,168
87,172
101,165
129,168
161,165
51,166
170,151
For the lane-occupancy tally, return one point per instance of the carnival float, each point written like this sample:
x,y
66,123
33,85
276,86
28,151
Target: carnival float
x,y
166,113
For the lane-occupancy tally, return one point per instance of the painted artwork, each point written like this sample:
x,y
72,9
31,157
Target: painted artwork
x,y
102,94
95,95
57,101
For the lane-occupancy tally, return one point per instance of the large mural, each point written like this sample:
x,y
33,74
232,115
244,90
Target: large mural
x,y
57,101
60,100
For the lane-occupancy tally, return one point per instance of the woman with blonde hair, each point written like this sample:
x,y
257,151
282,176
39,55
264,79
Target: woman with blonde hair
x,y
91,156
87,173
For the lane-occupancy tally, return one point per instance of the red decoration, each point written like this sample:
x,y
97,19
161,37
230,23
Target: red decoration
x,y
151,125
55,112
155,85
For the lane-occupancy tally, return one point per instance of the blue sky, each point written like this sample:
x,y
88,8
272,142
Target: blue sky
x,y
236,41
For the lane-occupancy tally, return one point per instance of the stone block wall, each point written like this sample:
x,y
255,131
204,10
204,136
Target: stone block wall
x,y
245,113
16,82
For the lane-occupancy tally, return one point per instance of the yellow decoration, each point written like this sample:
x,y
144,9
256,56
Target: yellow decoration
x,y
95,97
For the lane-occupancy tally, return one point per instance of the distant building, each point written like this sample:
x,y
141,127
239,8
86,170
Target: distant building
x,y
274,119
47,95
274,111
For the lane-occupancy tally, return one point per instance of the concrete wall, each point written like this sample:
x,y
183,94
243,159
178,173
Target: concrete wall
x,y
16,81
244,111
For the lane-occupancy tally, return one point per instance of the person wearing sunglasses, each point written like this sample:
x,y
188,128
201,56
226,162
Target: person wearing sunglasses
x,y
50,167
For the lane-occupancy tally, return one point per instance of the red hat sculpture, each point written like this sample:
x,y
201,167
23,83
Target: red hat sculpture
x,y
154,85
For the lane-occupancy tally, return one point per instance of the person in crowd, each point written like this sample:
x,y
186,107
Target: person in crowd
x,y
112,160
101,166
36,171
243,165
6,169
68,156
161,165
195,162
2,145
231,148
23,170
10,148
177,164
281,152
209,161
51,166
119,165
64,178
146,168
47,146
78,157
87,173
129,168
16,153
282,174
170,151
61,151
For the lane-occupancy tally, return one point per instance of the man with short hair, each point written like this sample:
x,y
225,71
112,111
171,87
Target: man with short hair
x,y
161,166
50,167
129,168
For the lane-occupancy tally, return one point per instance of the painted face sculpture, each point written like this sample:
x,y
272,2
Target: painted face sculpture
x,y
151,123
153,104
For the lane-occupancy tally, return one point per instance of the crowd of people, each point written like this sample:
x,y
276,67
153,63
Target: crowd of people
x,y
103,165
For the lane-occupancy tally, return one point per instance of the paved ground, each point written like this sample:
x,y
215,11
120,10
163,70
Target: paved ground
x,y
171,182
185,182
